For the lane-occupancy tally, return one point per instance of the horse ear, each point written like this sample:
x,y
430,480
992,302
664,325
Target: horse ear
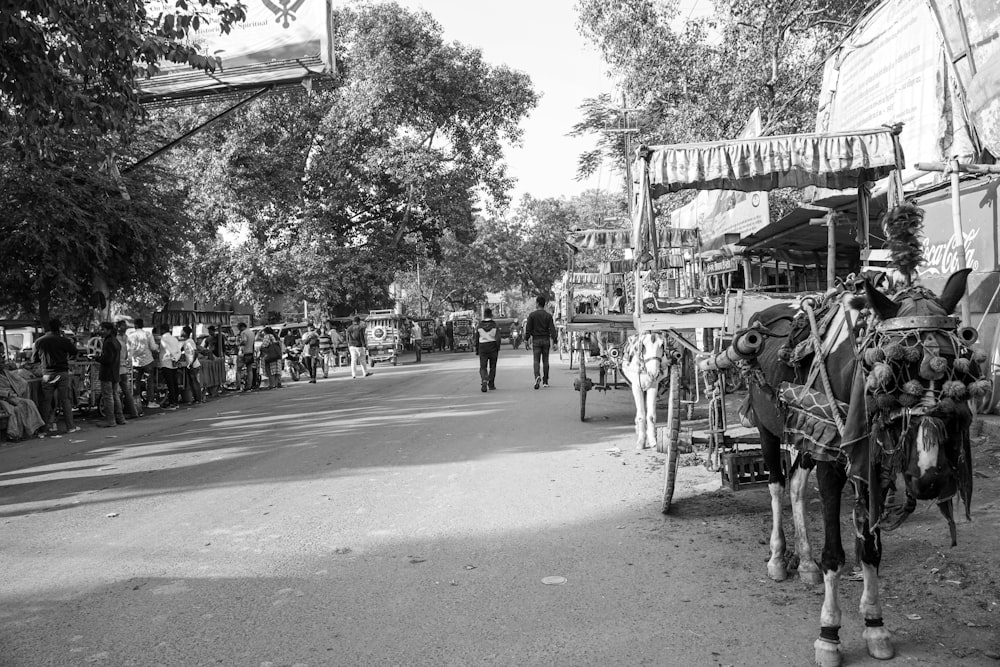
x,y
954,290
883,306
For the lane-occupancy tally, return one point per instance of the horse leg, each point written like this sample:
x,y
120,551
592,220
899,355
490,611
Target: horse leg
x,y
948,511
777,568
640,415
869,552
831,477
808,570
651,415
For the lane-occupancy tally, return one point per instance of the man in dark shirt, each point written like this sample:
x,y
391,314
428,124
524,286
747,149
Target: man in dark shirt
x,y
53,351
357,344
110,360
541,331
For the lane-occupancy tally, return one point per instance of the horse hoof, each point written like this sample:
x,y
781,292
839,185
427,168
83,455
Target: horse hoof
x,y
827,653
879,643
811,576
777,571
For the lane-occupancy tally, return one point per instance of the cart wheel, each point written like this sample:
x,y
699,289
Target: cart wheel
x,y
671,437
583,384
394,360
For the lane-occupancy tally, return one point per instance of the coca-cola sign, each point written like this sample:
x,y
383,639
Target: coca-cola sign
x,y
944,258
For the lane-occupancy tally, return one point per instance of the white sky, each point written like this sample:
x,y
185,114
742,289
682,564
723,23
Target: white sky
x,y
540,38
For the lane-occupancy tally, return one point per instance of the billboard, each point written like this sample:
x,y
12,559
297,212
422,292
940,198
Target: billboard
x,y
280,42
893,69
971,29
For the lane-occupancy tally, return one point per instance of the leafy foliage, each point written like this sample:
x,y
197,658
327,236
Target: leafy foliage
x,y
342,188
66,226
699,80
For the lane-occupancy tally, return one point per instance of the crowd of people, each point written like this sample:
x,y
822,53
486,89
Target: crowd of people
x,y
140,368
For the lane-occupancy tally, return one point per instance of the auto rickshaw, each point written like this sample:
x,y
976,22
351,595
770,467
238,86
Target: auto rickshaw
x,y
384,330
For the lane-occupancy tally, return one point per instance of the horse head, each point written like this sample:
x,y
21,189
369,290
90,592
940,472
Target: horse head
x,y
648,357
920,371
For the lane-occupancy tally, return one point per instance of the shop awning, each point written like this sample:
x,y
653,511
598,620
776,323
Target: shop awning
x,y
834,160
796,237
617,238
180,318
595,279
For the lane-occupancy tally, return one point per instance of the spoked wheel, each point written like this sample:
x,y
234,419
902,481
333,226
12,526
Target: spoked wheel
x,y
671,437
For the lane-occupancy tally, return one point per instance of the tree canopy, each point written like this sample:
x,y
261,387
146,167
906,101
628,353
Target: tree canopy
x,y
699,79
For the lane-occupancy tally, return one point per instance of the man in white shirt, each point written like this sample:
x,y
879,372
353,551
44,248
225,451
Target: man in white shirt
x,y
416,335
170,354
142,349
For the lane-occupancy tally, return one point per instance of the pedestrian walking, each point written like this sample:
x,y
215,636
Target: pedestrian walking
x,y
130,404
310,351
417,336
326,348
109,376
143,350
54,351
487,346
449,335
439,337
357,344
540,330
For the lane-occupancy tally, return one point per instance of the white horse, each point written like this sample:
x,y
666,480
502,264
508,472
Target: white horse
x,y
646,362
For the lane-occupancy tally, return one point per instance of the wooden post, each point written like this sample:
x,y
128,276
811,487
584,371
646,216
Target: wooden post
x,y
831,250
956,223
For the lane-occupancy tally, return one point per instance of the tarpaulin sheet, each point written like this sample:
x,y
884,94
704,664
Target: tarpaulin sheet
x,y
789,161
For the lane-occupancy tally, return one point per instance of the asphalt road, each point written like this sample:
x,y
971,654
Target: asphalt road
x,y
401,519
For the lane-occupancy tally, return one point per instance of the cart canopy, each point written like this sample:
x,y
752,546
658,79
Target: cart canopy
x,y
835,160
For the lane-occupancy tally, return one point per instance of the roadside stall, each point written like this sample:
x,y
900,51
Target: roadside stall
x,y
213,371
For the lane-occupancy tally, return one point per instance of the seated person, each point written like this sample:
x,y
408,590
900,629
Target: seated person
x,y
617,306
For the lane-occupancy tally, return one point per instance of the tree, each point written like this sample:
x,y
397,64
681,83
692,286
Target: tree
x,y
699,80
72,68
356,183
68,232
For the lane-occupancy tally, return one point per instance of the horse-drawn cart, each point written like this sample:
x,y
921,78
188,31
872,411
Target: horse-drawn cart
x,y
884,386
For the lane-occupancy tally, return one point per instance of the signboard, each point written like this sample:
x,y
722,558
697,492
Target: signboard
x,y
892,69
721,265
281,41
716,213
942,249
236,319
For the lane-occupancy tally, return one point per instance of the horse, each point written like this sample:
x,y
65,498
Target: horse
x,y
645,363
900,430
